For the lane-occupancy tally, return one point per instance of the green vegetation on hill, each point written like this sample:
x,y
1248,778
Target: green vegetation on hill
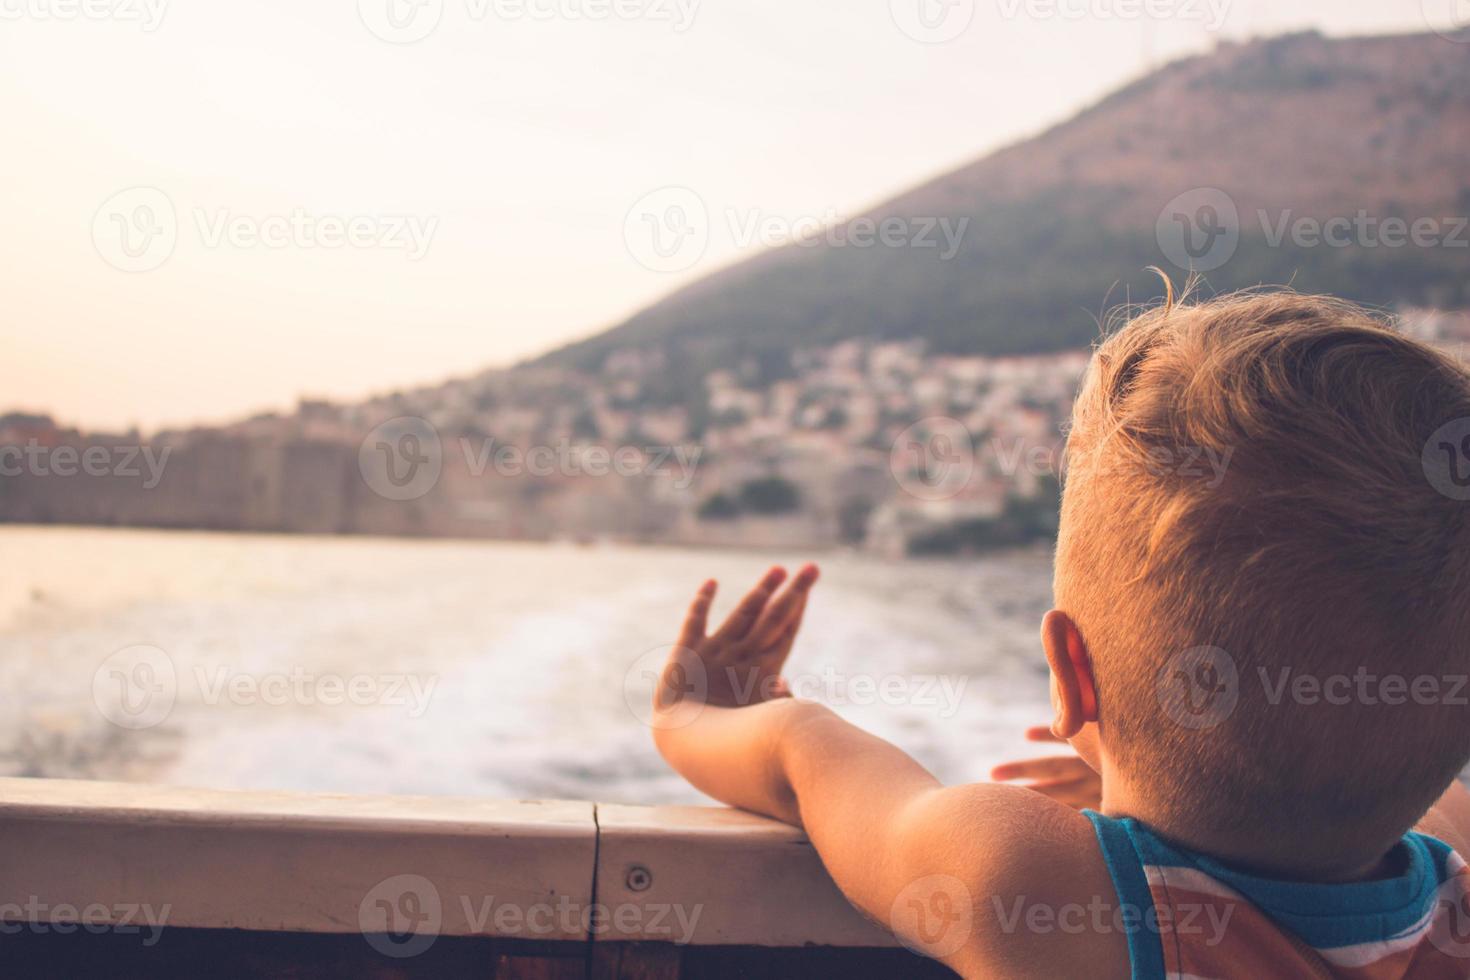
x,y
1031,277
1061,228
1024,520
764,497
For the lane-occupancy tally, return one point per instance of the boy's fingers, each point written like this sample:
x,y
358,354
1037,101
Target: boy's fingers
x,y
788,605
1054,767
1042,733
749,610
780,647
697,620
1076,792
1054,785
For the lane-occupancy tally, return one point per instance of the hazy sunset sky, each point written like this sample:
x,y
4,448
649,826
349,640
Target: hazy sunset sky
x,y
515,145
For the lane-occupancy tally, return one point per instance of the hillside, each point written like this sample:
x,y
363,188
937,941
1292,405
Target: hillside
x,y
1064,223
786,402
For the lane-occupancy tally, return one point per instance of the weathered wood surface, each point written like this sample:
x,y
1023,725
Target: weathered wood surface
x,y
295,862
714,866
207,954
314,885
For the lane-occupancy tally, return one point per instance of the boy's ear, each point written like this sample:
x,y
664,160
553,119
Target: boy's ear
x,y
1074,694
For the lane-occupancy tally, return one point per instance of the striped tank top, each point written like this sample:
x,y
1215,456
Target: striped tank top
x,y
1188,916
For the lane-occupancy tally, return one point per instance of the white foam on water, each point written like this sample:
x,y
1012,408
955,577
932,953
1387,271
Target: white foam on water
x,y
525,650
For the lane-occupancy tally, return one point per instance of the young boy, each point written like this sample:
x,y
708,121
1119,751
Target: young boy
x,y
1266,669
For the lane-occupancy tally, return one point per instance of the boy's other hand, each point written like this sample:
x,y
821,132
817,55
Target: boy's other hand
x,y
740,663
1064,778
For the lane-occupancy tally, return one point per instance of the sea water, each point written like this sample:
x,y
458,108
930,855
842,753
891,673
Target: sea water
x,y
373,665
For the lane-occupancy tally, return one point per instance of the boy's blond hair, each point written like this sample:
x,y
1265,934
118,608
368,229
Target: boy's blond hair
x,y
1315,546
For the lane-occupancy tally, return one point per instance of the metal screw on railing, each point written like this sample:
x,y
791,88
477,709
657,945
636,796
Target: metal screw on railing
x,y
639,879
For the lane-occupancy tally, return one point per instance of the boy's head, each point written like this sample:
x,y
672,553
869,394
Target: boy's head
x,y
1246,492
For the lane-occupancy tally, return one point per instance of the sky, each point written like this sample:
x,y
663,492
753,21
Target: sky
x,y
212,210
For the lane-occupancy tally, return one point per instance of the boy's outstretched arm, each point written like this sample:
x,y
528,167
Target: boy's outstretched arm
x,y
937,865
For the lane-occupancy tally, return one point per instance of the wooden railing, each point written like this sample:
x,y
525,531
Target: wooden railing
x,y
125,880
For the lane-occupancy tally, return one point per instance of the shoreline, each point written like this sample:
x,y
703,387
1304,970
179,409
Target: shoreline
x,y
839,551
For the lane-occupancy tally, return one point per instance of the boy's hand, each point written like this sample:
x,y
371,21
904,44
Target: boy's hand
x,y
740,664
1066,779
910,853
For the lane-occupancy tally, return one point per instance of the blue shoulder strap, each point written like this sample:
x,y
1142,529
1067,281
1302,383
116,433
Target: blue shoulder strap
x,y
1145,948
